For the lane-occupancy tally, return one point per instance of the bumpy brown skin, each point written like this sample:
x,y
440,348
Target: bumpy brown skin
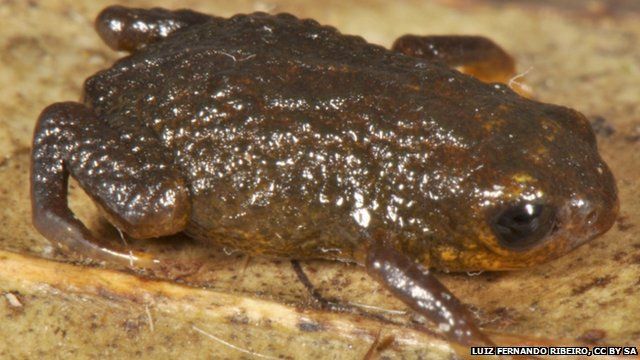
x,y
280,137
292,137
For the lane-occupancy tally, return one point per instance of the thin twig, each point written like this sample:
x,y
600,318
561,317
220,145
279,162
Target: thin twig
x,y
149,318
514,80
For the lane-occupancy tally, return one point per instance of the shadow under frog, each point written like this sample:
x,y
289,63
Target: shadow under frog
x,y
282,138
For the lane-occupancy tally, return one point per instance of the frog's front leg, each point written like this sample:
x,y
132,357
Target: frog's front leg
x,y
130,29
473,55
122,170
420,290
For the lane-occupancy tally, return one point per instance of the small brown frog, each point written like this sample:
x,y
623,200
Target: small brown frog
x,y
280,137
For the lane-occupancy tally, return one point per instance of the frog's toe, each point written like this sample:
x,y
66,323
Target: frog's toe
x,y
71,235
474,55
129,29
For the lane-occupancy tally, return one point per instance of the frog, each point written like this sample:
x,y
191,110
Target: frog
x,y
283,138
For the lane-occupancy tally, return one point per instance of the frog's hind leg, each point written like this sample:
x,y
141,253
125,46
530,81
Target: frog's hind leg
x,y
421,291
126,175
129,29
327,304
473,55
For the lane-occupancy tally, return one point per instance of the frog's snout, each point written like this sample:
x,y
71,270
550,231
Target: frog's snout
x,y
587,216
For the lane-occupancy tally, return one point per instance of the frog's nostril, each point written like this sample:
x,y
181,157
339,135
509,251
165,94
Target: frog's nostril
x,y
588,212
581,207
591,217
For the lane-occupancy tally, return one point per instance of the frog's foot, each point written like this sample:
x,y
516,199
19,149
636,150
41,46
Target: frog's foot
x,y
130,29
137,188
422,292
473,55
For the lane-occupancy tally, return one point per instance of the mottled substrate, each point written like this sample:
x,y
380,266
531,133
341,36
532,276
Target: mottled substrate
x,y
48,49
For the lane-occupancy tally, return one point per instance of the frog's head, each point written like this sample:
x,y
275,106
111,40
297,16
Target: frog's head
x,y
536,189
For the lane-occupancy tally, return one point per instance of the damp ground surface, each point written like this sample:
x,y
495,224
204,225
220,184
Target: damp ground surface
x,y
207,304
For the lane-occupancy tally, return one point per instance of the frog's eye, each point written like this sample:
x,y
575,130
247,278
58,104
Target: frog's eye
x,y
521,226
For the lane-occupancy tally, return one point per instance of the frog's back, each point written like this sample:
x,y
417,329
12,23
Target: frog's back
x,y
221,44
294,138
267,53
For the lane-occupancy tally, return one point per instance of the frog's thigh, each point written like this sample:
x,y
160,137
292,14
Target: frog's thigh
x,y
130,29
419,289
137,187
474,55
